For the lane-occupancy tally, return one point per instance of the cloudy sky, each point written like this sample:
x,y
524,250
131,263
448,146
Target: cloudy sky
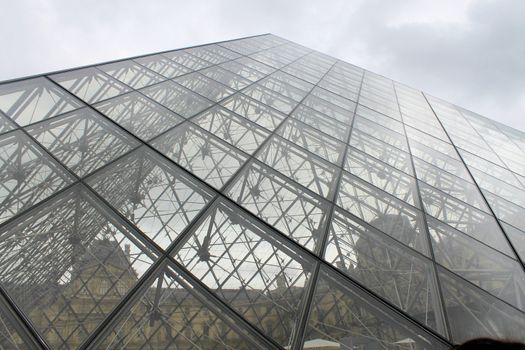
x,y
470,52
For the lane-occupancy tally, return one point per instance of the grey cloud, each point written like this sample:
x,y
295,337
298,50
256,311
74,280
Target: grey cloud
x,y
476,62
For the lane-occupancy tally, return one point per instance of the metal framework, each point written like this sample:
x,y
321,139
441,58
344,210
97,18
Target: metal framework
x,y
253,193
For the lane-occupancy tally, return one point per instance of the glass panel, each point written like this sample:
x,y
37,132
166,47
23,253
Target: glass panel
x,y
180,100
270,98
186,60
473,313
6,124
304,168
343,317
254,111
204,86
463,217
293,81
381,151
82,140
201,153
139,115
131,74
158,198
171,314
399,275
29,101
251,269
242,70
327,125
27,174
517,238
479,264
383,134
226,77
90,84
10,337
282,88
388,214
163,66
231,128
281,204
380,119
312,140
450,184
259,66
332,98
68,263
328,109
381,175
506,211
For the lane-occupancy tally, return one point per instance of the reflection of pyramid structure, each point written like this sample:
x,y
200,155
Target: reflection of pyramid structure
x,y
253,194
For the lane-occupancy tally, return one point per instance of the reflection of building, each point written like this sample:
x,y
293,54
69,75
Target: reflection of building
x,y
354,211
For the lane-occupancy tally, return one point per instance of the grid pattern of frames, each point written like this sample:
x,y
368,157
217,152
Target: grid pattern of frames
x,y
253,193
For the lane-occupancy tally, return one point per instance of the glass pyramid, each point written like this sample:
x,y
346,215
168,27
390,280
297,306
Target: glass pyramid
x,y
253,194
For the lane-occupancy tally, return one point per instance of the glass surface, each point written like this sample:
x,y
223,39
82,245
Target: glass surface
x,y
477,263
270,98
163,66
343,317
6,124
204,86
171,314
473,313
27,174
386,213
242,70
300,166
321,105
231,128
82,140
90,84
29,101
226,77
382,151
139,115
131,74
312,140
255,111
186,60
282,204
201,153
394,272
381,175
322,123
68,263
475,223
10,335
250,268
177,98
450,184
157,197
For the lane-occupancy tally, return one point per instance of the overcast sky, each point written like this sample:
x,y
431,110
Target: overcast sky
x,y
468,52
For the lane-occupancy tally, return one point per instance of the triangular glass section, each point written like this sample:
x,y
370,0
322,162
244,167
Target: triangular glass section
x,y
67,263
344,317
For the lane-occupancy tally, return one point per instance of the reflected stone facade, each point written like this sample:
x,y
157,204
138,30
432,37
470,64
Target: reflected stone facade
x,y
253,194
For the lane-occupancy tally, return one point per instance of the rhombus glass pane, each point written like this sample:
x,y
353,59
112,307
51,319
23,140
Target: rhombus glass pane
x,y
155,195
